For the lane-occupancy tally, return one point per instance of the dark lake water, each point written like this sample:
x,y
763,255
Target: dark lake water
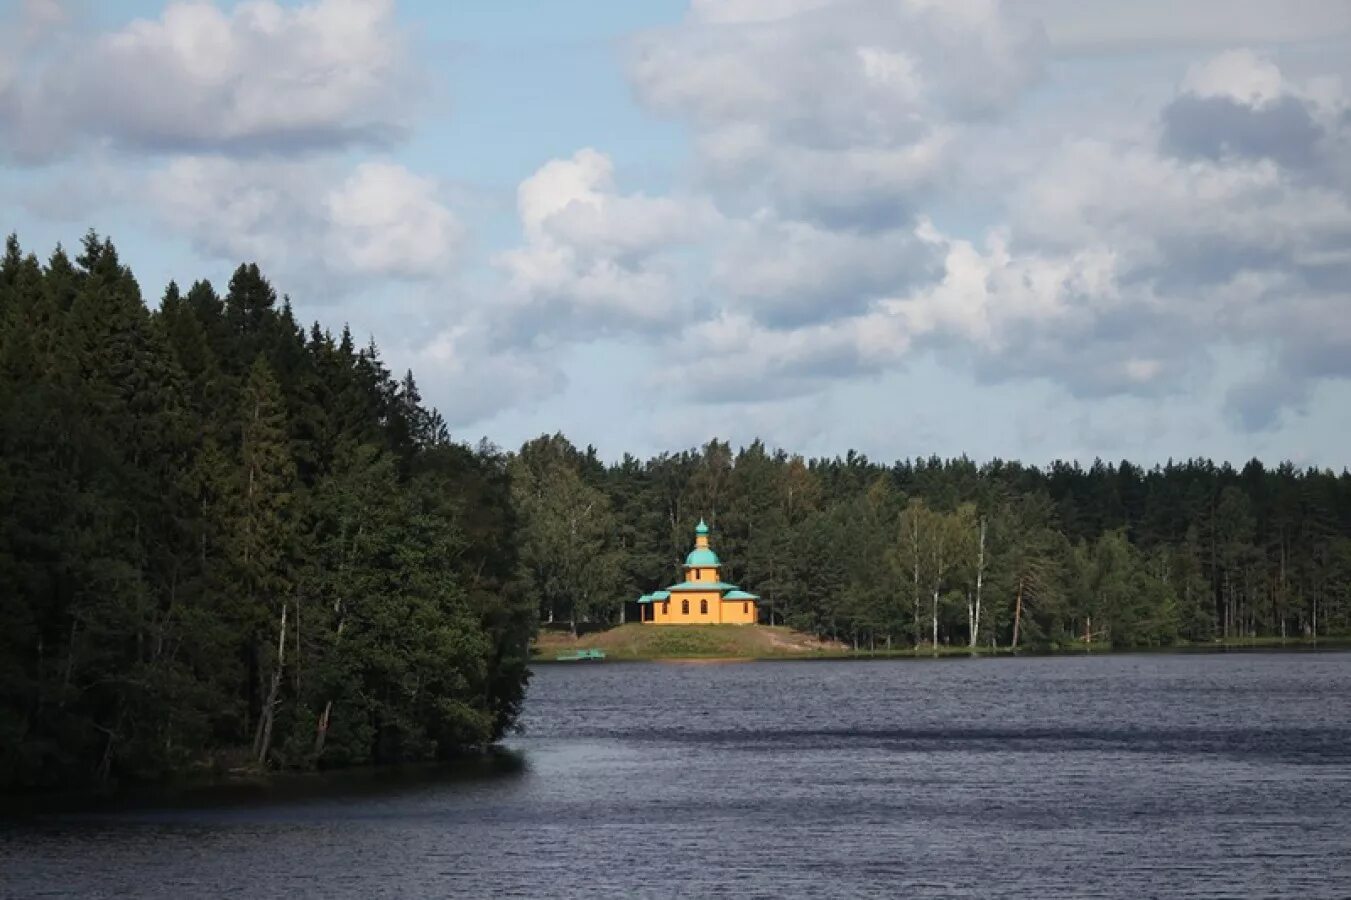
x,y
1116,776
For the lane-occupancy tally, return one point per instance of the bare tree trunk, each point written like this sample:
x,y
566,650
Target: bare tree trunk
x,y
970,620
1017,613
70,656
935,618
980,577
321,729
296,664
938,586
914,547
263,739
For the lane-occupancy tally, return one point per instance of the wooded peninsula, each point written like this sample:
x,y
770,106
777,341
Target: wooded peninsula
x,y
229,540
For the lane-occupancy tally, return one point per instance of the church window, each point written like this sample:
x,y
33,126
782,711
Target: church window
x,y
703,607
746,608
684,607
666,607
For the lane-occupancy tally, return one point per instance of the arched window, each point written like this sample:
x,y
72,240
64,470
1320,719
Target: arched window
x,y
684,607
697,574
746,608
666,607
703,607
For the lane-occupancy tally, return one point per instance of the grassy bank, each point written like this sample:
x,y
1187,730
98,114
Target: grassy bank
x,y
647,642
690,642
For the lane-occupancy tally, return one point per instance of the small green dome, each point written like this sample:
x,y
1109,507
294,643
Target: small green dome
x,y
703,558
702,528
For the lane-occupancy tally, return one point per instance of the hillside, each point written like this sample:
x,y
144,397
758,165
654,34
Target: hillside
x,y
636,641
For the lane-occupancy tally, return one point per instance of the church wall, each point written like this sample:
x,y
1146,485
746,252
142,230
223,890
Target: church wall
x,y
738,612
695,617
730,612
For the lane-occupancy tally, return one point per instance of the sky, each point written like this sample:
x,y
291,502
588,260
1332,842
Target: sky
x,y
1035,230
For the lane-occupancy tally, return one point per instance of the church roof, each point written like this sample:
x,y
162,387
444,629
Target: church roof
x,y
702,557
701,528
738,594
702,586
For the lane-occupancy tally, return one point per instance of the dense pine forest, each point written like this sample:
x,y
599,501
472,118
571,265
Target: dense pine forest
x,y
228,540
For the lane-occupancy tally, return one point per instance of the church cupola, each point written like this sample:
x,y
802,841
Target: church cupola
x,y
702,564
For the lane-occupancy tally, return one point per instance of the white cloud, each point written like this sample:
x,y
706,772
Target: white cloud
x,y
472,379
313,222
594,256
821,125
387,221
838,111
1087,27
260,77
787,272
1238,75
1027,315
1237,218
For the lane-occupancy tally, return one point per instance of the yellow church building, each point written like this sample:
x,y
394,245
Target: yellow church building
x,y
703,598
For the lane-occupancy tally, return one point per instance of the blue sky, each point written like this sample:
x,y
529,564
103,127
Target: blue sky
x,y
1032,230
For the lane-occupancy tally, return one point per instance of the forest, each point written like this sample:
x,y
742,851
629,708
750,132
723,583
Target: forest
x,y
947,552
229,541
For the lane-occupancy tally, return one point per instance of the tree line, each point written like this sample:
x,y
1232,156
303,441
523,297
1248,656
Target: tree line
x,y
928,551
227,540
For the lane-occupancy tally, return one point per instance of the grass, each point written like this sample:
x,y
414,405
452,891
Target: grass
x,y
636,641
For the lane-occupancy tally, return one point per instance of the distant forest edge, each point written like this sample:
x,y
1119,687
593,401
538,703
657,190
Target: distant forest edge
x,y
949,552
230,541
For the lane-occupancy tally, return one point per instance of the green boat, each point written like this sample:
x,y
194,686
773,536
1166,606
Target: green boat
x,y
580,655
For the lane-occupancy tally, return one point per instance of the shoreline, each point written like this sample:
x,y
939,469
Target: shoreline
x,y
545,657
187,789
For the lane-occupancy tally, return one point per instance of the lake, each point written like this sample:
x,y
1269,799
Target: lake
x,y
1129,776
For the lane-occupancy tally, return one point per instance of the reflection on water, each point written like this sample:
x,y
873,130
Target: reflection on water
x,y
345,785
1125,776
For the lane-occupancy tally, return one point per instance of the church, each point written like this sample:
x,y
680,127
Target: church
x,y
703,598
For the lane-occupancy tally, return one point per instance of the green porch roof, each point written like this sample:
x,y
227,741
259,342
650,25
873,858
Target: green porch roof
x,y
739,595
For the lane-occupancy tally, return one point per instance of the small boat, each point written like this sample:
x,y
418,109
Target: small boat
x,y
580,655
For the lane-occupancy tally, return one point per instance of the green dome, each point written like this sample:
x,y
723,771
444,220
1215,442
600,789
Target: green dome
x,y
702,528
702,558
